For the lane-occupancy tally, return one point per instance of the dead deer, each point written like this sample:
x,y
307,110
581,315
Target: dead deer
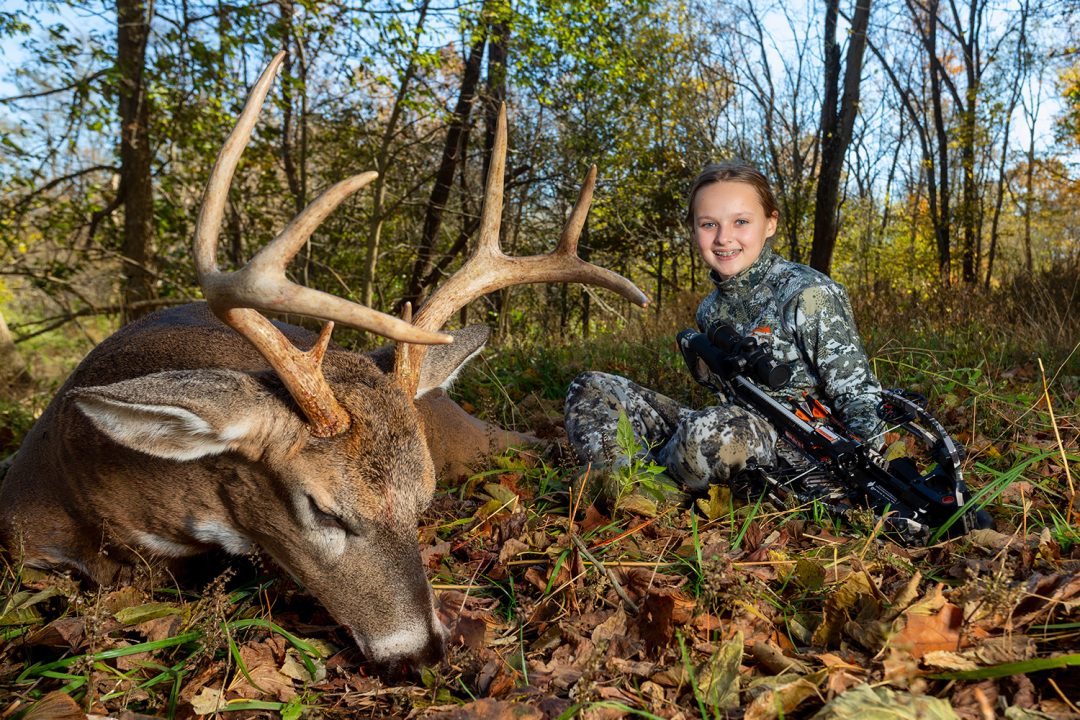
x,y
206,426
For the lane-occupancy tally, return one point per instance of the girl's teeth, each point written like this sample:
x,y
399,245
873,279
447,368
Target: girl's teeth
x,y
725,253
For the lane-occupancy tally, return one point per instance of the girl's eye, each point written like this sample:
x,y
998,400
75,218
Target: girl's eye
x,y
742,221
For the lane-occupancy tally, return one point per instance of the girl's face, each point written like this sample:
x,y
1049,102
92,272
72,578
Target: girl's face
x,y
730,226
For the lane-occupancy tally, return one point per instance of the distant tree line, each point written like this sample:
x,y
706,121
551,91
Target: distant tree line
x,y
902,137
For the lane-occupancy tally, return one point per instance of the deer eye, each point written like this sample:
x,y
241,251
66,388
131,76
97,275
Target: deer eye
x,y
326,519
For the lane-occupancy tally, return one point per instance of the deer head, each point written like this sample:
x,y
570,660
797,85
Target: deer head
x,y
174,435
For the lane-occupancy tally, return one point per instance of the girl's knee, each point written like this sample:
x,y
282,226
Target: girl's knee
x,y
590,384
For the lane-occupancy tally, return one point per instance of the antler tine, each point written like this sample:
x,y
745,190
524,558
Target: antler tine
x,y
488,269
491,214
261,285
576,222
217,187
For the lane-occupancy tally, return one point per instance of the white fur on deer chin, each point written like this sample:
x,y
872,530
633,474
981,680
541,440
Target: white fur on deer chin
x,y
213,532
162,547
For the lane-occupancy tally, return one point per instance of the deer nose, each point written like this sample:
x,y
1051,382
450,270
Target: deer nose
x,y
408,667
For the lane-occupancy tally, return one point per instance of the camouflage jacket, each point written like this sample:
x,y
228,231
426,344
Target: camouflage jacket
x,y
806,318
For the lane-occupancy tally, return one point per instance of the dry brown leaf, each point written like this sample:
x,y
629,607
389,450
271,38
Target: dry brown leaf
x,y
261,661
68,633
946,660
511,549
838,606
613,626
1005,649
124,597
782,699
208,700
902,671
840,681
654,623
975,701
432,554
55,706
925,633
835,662
470,632
159,628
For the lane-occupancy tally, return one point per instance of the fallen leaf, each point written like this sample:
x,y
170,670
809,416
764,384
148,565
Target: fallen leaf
x,y
159,628
637,504
835,662
295,668
946,660
654,623
511,549
67,633
718,503
20,608
208,700
782,699
488,709
809,574
123,598
431,554
141,613
260,660
925,633
718,677
866,703
55,706
838,606
614,626
469,632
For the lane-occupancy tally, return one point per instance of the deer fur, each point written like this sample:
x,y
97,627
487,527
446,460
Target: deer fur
x,y
173,437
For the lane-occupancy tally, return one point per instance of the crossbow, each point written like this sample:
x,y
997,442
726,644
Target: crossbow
x,y
819,459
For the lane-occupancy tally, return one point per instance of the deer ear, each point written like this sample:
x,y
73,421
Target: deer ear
x,y
184,414
442,363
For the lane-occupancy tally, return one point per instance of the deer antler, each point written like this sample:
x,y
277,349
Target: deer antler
x,y
237,297
489,269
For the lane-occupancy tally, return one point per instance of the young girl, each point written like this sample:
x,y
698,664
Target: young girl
x,y
803,315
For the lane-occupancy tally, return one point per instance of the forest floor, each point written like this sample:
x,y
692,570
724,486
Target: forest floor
x,y
558,608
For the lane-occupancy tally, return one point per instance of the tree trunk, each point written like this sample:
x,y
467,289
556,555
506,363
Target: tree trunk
x,y
1002,179
457,136
382,165
837,126
939,190
136,182
969,212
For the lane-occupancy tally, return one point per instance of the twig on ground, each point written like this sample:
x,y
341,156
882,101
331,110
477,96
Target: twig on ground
x,y
630,604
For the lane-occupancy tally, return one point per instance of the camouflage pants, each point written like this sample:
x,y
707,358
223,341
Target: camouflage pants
x,y
698,447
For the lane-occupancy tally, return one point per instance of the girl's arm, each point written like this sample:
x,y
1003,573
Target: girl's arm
x,y
826,330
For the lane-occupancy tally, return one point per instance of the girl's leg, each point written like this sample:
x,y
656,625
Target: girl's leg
x,y
711,445
593,403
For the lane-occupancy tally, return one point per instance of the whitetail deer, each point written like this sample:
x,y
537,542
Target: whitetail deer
x,y
175,436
